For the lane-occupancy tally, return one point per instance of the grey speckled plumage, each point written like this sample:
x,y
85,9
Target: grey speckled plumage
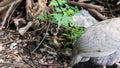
x,y
107,60
100,43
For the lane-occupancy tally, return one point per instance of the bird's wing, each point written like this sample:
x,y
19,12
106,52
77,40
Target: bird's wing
x,y
101,39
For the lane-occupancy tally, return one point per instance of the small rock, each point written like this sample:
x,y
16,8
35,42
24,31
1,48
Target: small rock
x,y
43,49
50,58
12,45
1,60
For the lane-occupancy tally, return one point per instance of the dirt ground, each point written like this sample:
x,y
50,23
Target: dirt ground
x,y
37,48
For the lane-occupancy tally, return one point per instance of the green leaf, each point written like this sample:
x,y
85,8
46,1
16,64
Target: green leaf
x,y
53,3
70,12
58,9
42,16
63,16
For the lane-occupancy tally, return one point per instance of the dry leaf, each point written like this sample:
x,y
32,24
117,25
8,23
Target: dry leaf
x,y
23,30
1,47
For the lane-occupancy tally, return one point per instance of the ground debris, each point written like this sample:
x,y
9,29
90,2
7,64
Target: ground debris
x,y
27,42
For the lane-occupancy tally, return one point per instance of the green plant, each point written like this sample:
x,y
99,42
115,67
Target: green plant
x,y
75,33
62,15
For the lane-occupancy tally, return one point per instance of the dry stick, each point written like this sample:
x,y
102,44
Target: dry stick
x,y
85,5
96,13
5,7
91,8
28,7
5,2
83,0
37,29
42,7
29,3
42,39
18,1
7,15
20,56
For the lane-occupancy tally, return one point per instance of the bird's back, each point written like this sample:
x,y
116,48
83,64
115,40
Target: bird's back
x,y
103,37
99,40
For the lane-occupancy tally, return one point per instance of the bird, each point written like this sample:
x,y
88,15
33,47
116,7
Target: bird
x,y
99,43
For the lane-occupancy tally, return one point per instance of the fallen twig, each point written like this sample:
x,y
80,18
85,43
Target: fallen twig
x,y
5,2
8,13
97,14
28,7
41,40
83,0
17,22
85,5
23,30
4,7
13,11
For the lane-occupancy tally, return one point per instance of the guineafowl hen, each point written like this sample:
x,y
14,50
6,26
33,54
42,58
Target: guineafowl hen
x,y
99,43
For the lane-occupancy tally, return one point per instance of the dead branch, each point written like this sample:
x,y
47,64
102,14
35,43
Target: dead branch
x,y
3,8
8,13
17,22
28,7
5,2
23,30
85,5
83,0
97,14
42,39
